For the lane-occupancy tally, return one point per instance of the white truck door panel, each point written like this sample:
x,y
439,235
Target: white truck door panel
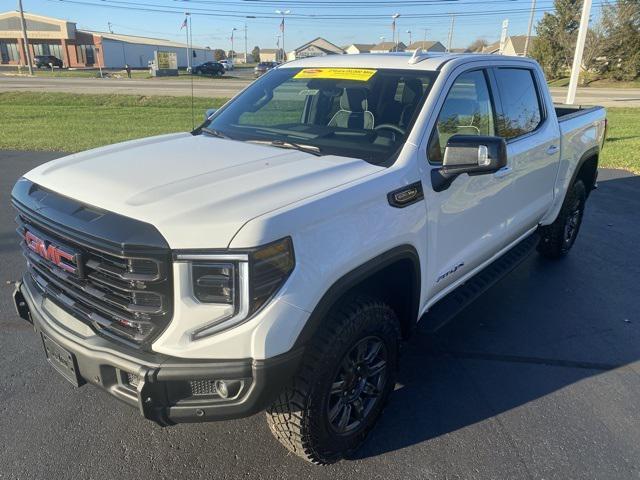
x,y
533,146
467,221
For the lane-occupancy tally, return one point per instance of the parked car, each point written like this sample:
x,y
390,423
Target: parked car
x,y
263,67
208,68
46,61
228,64
277,261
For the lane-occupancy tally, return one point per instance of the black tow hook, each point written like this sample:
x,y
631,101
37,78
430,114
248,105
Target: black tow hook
x,y
22,309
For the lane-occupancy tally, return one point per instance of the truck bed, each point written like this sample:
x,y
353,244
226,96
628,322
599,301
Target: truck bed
x,y
565,112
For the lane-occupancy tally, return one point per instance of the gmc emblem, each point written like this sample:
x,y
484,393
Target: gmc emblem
x,y
56,255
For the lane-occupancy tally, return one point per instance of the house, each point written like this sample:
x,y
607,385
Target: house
x,y
355,48
427,46
271,55
514,46
318,47
386,47
460,50
84,48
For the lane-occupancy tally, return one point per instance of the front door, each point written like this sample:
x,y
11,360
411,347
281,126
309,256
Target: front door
x,y
467,221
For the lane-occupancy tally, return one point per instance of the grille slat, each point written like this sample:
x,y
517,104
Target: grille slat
x,y
126,297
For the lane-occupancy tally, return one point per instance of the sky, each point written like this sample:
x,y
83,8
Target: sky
x,y
342,22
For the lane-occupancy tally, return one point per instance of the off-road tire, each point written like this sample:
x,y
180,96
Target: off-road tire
x,y
557,239
299,418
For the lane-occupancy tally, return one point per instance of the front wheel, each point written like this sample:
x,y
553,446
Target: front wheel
x,y
557,239
347,375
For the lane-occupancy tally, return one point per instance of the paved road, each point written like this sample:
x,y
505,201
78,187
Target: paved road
x,y
202,87
226,87
539,379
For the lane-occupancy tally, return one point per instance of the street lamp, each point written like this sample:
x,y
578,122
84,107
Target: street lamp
x,y
393,28
233,52
283,13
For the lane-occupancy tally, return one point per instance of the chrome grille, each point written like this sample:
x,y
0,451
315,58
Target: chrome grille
x,y
129,298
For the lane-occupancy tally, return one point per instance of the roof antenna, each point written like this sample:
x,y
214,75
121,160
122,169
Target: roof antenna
x,y
415,58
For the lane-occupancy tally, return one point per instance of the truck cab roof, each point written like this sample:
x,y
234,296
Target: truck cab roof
x,y
401,60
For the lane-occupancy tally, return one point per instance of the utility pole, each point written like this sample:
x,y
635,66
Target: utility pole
x,y
424,42
409,32
109,27
393,29
577,59
246,59
453,22
533,14
25,39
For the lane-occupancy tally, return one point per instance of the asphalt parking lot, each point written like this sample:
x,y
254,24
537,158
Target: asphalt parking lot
x,y
538,379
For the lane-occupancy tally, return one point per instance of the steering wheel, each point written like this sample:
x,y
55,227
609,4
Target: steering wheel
x,y
390,126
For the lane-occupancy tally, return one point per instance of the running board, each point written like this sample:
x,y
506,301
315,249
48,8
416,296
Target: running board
x,y
463,296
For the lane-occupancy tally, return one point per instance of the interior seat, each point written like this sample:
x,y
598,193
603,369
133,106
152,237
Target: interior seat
x,y
411,95
353,111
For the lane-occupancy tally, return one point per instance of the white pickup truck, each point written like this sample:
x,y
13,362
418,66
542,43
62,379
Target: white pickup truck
x,y
275,257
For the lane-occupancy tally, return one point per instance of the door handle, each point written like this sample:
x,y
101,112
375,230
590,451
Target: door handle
x,y
503,172
552,150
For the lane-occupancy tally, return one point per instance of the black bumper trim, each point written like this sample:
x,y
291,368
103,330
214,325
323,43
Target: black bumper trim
x,y
161,378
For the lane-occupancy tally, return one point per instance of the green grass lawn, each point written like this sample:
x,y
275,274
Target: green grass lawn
x,y
70,123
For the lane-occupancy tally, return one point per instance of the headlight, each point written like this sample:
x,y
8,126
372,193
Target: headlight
x,y
238,284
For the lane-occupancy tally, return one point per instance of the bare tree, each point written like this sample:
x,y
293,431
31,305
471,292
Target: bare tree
x,y
592,58
477,45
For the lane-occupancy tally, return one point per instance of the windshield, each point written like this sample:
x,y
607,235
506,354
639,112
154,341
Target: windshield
x,y
359,113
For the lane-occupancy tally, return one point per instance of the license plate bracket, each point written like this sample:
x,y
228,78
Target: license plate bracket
x,y
62,360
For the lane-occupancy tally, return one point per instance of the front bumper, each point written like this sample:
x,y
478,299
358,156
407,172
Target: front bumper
x,y
160,386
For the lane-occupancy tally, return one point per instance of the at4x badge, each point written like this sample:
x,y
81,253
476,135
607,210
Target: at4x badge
x,y
451,271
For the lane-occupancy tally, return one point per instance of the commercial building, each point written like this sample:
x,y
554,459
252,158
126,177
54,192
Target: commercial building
x,y
84,48
271,55
318,47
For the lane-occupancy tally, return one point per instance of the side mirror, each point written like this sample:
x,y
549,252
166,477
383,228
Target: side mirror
x,y
471,154
209,112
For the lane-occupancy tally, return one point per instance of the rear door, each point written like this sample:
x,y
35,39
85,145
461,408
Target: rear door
x,y
533,144
468,220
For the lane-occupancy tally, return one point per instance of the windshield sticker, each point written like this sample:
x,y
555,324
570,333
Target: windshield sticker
x,y
358,74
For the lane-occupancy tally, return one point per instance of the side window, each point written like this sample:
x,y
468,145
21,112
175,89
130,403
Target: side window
x,y
467,110
520,103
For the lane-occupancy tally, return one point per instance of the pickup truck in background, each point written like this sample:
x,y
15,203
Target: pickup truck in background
x,y
275,257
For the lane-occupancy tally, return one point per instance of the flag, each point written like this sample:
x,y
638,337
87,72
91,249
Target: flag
x,y
282,25
184,24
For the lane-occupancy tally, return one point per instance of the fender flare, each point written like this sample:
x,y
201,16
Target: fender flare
x,y
588,155
355,277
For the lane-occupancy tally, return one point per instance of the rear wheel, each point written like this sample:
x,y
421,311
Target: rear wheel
x,y
558,238
346,377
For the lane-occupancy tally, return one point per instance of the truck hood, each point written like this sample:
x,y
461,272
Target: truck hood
x,y
197,191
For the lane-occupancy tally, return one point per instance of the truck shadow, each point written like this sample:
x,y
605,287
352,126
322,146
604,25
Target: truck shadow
x,y
545,326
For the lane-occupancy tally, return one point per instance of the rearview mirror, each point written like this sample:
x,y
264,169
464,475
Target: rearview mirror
x,y
471,154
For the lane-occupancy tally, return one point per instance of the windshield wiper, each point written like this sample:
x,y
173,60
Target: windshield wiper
x,y
312,149
214,132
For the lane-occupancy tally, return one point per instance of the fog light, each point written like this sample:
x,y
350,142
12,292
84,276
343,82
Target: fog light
x,y
222,389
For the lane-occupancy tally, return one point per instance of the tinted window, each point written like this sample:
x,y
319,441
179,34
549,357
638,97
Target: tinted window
x,y
521,108
467,110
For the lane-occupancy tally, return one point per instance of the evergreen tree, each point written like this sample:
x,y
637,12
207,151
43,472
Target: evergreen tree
x,y
621,22
556,37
